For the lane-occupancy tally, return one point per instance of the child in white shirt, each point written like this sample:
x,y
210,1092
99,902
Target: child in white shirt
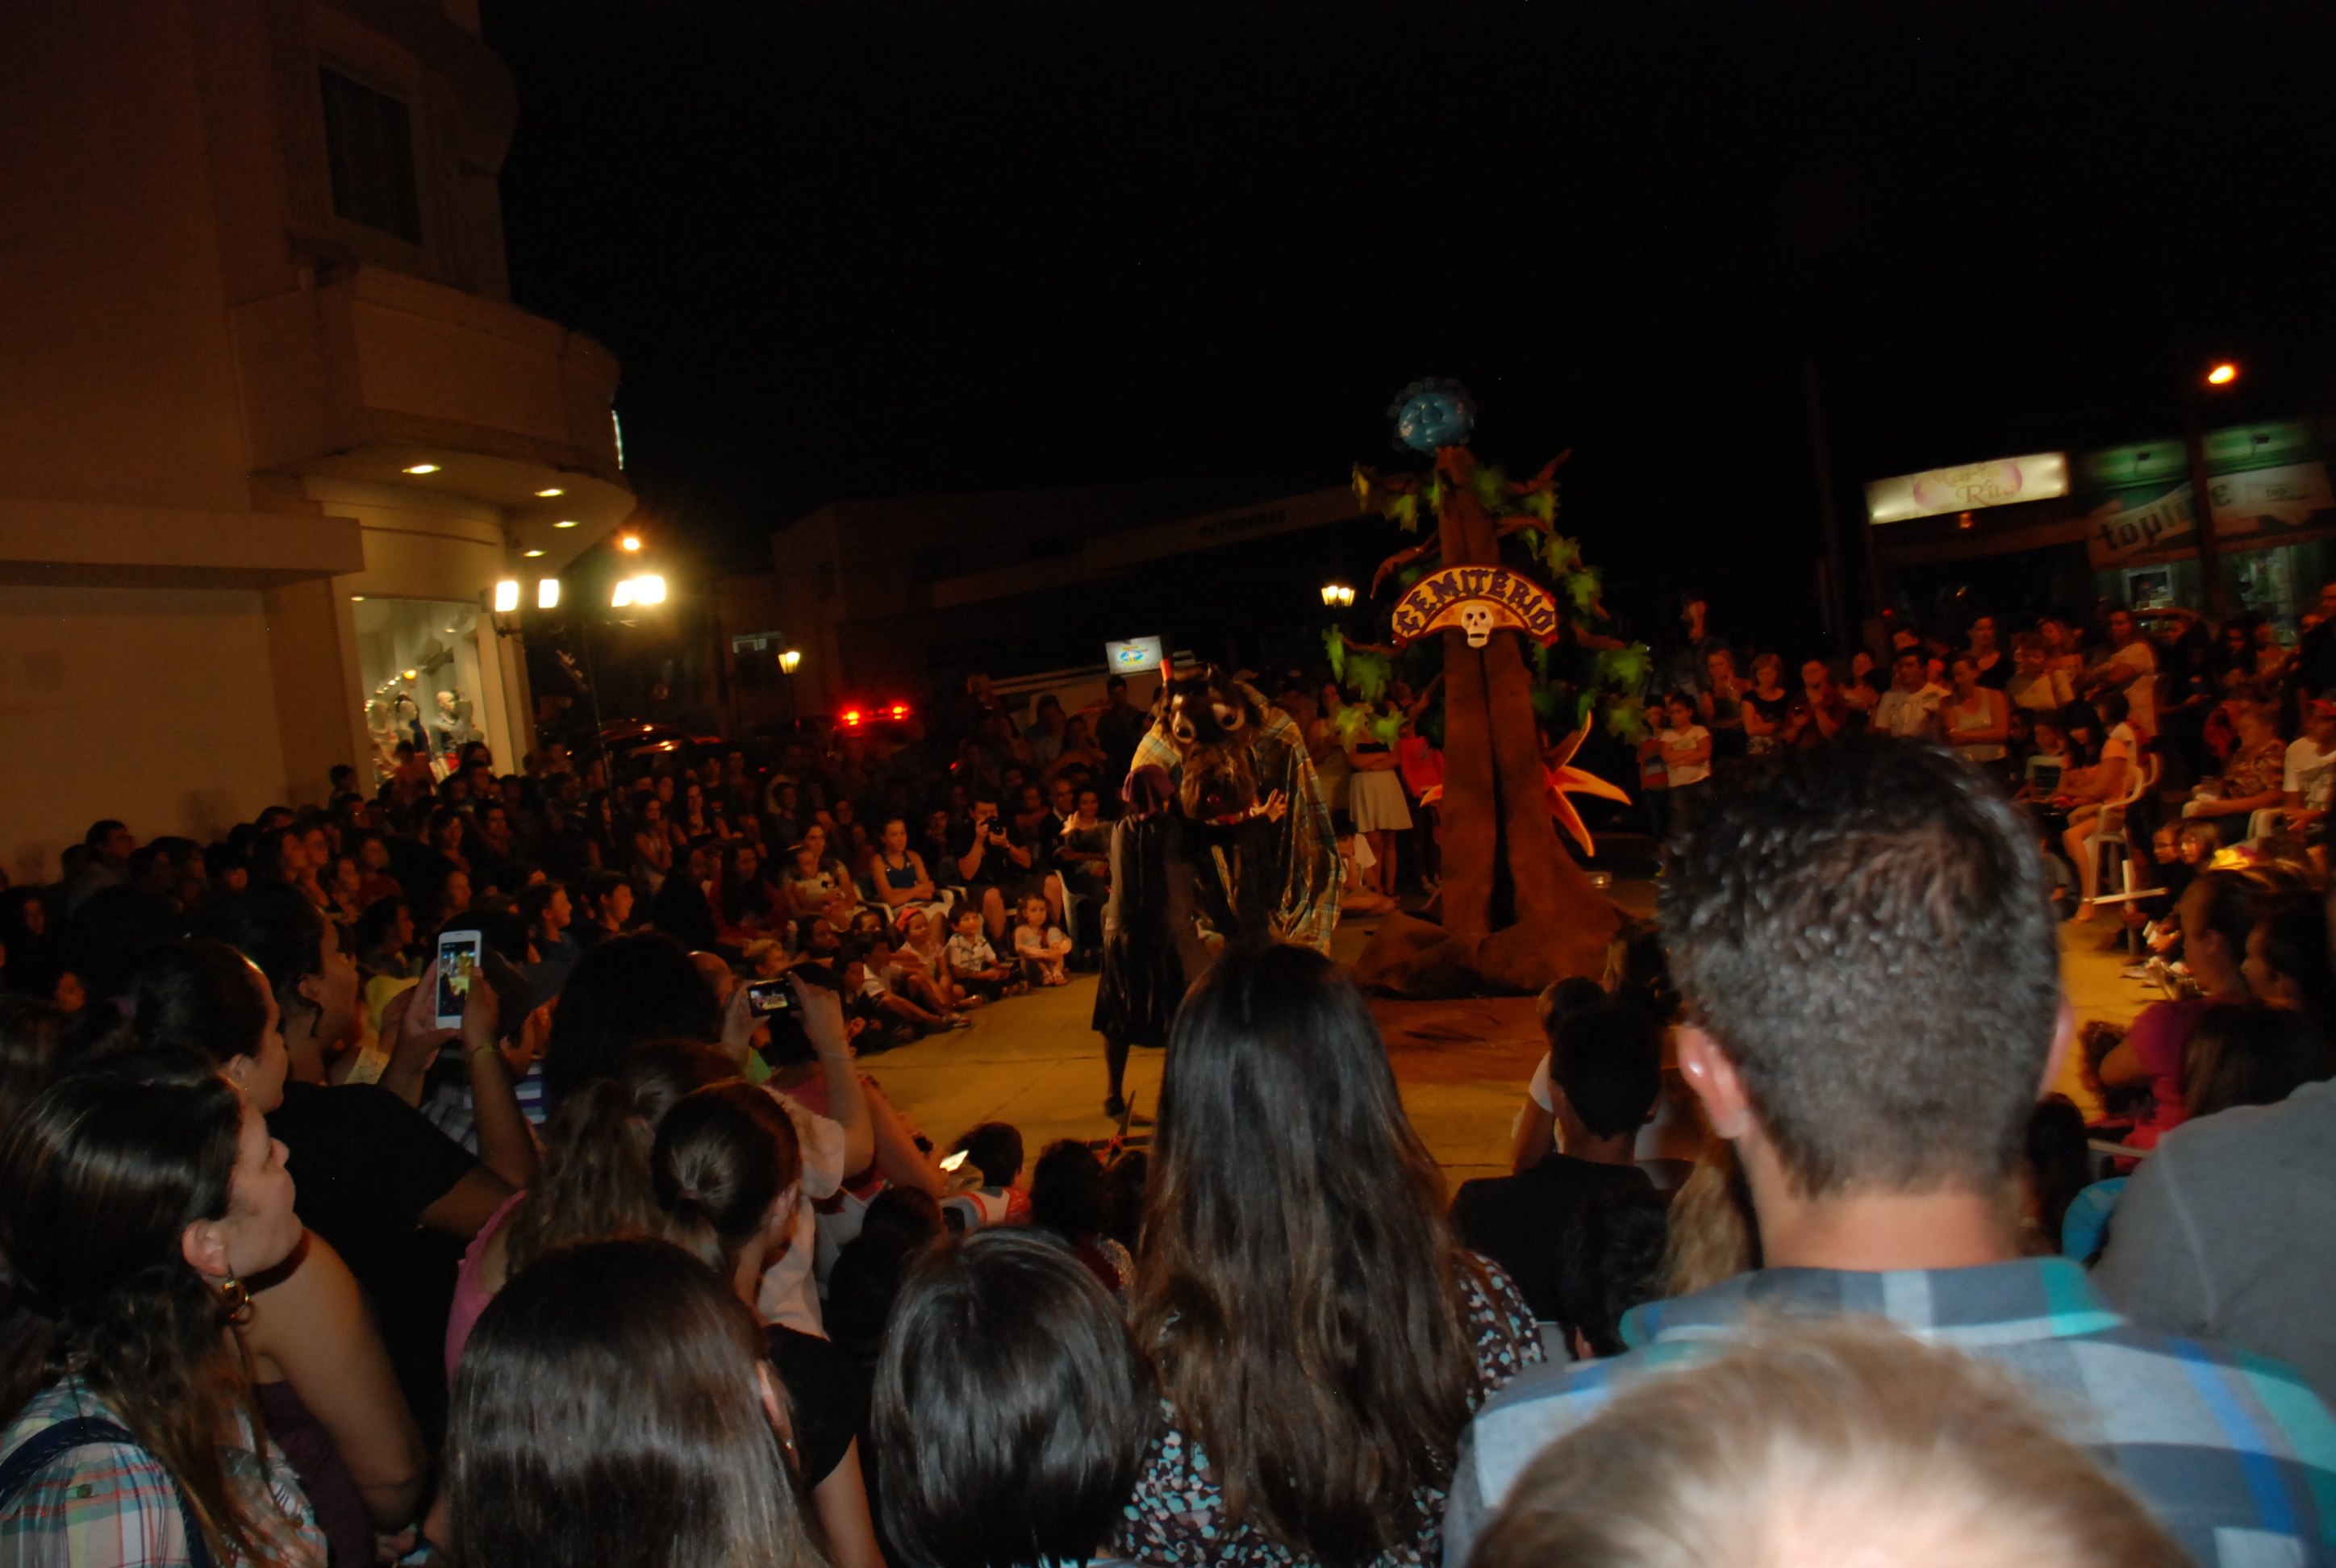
x,y
1041,947
973,962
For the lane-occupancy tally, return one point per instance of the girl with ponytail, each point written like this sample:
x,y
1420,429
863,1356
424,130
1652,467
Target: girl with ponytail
x,y
724,1167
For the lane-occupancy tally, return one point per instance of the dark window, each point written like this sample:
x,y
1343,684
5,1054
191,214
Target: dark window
x,y
369,142
935,563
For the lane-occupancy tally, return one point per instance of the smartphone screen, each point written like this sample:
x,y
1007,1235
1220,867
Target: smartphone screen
x,y
768,996
458,970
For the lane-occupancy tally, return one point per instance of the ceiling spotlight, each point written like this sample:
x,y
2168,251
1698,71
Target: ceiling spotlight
x,y
565,523
630,541
548,494
531,554
356,598
422,468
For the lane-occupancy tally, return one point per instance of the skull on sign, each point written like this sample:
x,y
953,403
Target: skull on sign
x,y
1477,620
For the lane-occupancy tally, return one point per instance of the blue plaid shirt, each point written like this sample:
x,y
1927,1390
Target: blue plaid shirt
x,y
2234,1454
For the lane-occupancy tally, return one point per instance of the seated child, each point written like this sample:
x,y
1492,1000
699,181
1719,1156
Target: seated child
x,y
1043,949
918,950
909,986
2048,763
993,1151
878,1018
973,963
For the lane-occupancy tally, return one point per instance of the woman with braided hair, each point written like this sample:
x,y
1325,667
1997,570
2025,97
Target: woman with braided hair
x,y
133,1204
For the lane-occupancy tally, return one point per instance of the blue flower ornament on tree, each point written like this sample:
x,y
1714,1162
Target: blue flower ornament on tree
x,y
1432,413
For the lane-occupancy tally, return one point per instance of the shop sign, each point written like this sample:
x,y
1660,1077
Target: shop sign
x,y
2256,506
2280,499
1479,601
2118,531
2040,476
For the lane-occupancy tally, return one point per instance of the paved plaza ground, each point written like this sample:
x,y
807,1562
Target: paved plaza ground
x,y
1033,1061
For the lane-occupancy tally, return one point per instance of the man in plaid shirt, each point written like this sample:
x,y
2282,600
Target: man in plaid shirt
x,y
1870,964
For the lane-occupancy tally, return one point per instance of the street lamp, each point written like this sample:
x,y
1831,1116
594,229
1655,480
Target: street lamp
x,y
630,541
1338,594
789,660
2222,374
647,589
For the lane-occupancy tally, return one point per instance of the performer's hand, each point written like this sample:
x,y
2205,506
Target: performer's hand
x,y
1274,808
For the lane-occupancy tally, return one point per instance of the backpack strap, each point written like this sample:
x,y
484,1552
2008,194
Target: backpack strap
x,y
33,1455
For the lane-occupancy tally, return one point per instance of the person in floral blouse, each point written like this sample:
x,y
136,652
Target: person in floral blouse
x,y
1320,1334
2254,779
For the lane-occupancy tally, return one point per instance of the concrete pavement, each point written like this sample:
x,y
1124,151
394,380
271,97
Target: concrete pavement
x,y
1462,1067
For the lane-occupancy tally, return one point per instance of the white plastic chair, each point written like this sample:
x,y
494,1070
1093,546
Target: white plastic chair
x,y
2113,834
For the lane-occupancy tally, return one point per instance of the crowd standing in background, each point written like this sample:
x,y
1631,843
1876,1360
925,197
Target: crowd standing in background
x,y
636,1264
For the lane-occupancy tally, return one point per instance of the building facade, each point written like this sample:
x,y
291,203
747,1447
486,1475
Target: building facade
x,y
270,429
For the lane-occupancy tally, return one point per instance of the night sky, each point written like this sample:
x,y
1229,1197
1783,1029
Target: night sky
x,y
869,249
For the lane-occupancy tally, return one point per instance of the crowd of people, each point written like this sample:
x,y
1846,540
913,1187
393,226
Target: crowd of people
x,y
626,1260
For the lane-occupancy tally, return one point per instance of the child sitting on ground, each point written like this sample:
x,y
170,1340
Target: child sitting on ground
x,y
993,1151
973,963
921,970
1043,949
908,982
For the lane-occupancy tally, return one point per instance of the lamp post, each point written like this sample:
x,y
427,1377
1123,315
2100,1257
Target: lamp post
x,y
788,659
2222,375
1337,596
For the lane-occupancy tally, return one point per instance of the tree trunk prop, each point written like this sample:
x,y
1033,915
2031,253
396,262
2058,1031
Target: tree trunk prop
x,y
1496,810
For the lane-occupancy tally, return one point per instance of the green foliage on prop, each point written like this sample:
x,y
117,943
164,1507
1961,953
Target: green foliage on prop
x,y
1367,673
1612,678
1492,487
1623,670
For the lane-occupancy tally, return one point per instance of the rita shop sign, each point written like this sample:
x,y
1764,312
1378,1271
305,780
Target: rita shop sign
x,y
1478,601
2039,476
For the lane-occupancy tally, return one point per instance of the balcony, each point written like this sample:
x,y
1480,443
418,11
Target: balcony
x,y
370,375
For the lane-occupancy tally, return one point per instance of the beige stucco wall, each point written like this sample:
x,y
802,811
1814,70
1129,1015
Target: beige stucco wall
x,y
113,701
119,381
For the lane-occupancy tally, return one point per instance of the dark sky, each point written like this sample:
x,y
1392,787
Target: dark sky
x,y
864,247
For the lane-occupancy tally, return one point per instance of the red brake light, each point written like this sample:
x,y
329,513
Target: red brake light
x,y
852,718
900,710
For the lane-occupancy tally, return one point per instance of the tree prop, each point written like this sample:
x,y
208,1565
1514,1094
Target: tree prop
x,y
1493,590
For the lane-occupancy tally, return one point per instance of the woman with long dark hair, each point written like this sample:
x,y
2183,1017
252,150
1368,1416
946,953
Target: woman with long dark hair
x,y
2287,962
614,1408
133,1208
1321,1336
321,1372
